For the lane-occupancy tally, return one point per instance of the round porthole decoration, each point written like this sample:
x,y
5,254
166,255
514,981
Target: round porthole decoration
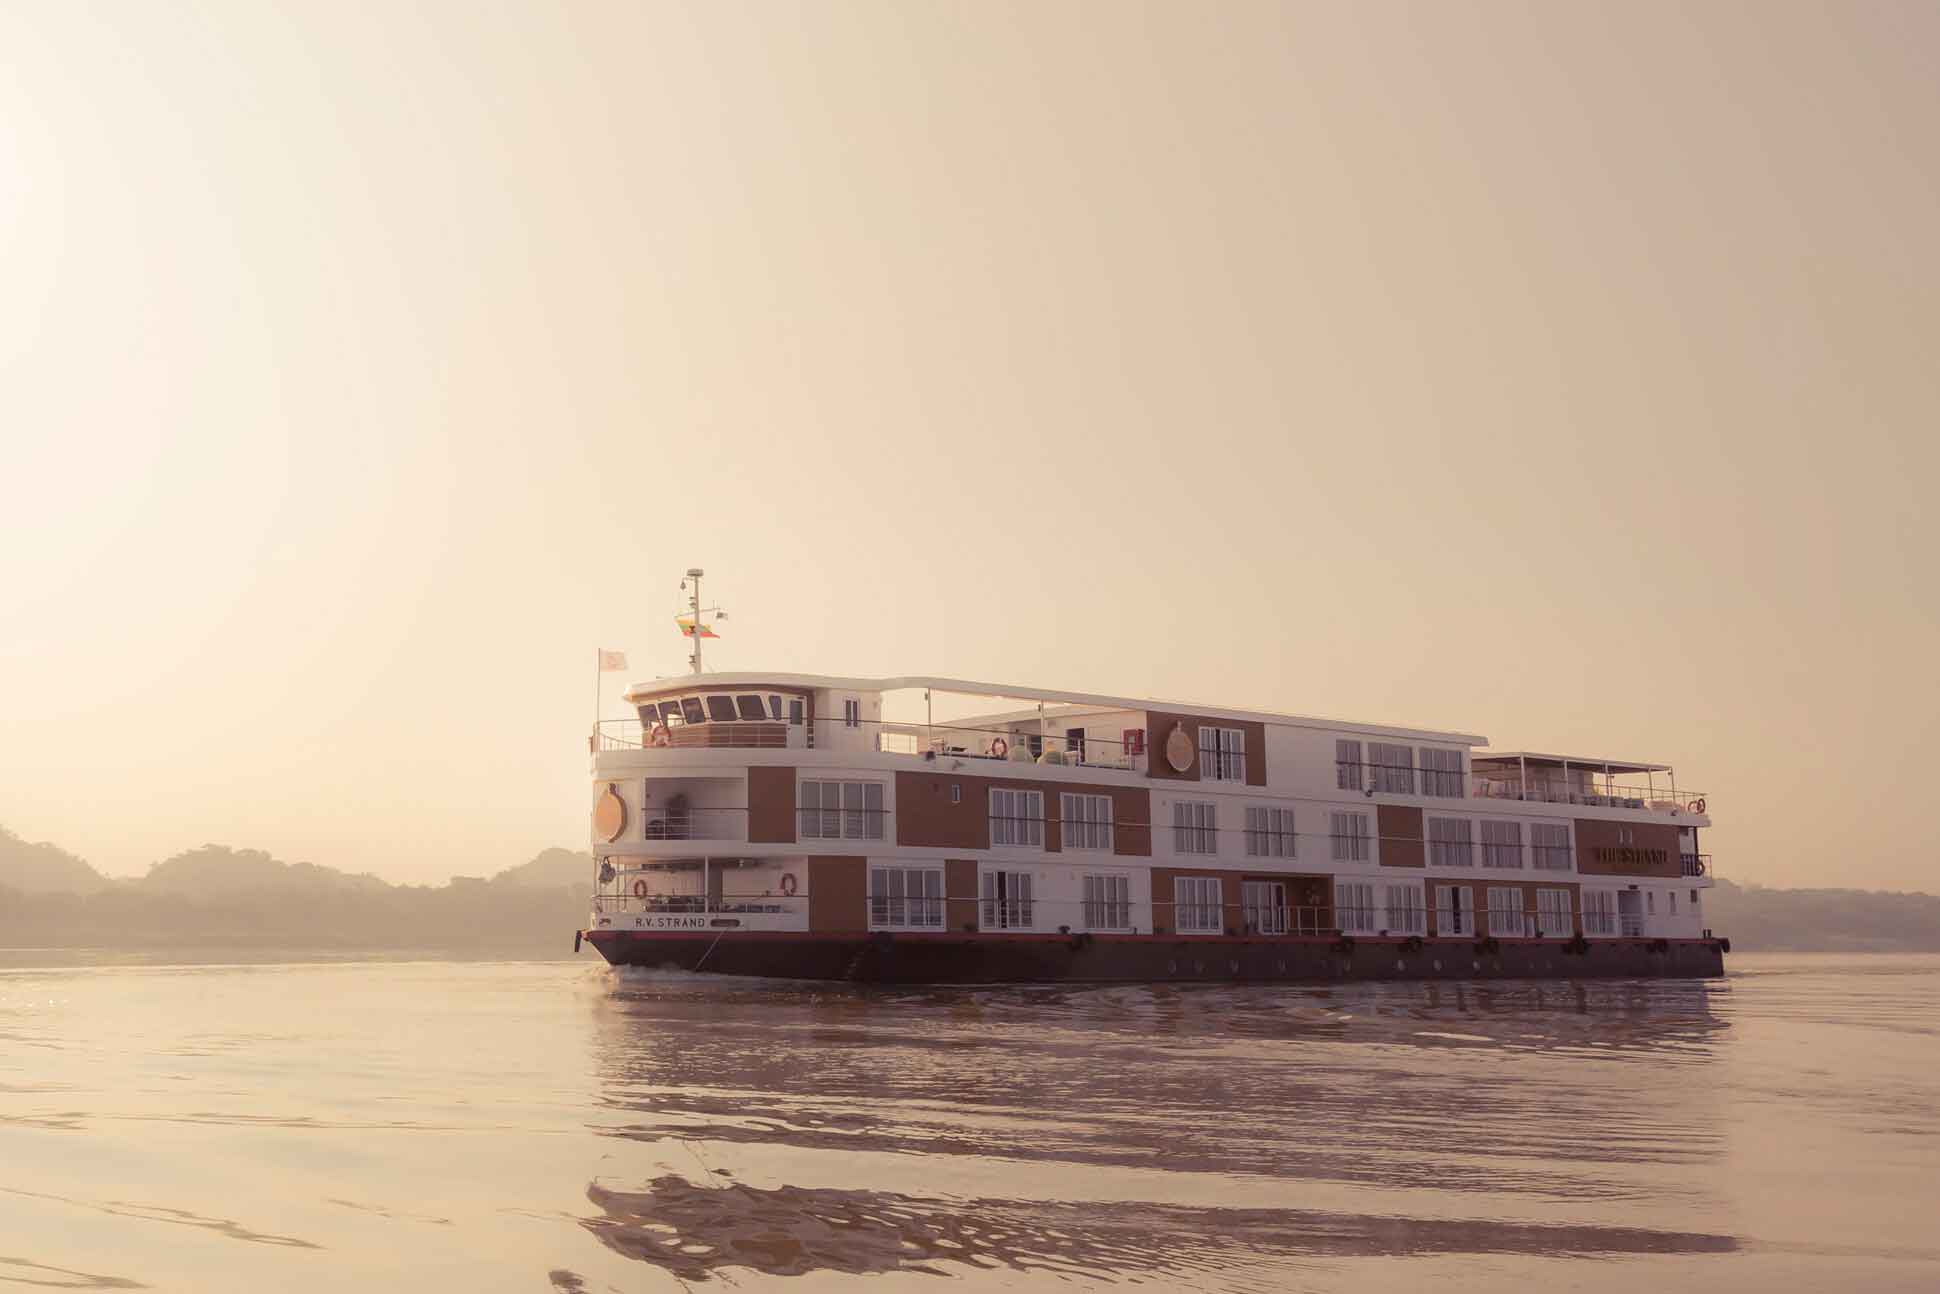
x,y
609,815
1178,749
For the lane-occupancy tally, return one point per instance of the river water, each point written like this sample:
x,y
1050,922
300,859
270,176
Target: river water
x,y
557,1126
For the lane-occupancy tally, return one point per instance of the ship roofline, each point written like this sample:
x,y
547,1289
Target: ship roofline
x,y
971,687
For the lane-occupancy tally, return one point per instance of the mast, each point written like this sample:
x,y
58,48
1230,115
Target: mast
x,y
694,629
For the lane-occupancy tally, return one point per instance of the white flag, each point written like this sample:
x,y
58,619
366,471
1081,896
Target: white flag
x,y
611,660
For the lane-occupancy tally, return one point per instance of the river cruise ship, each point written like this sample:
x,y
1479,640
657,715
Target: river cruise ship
x,y
780,825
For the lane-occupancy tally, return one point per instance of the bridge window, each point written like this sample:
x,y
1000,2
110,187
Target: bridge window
x,y
751,708
720,709
690,706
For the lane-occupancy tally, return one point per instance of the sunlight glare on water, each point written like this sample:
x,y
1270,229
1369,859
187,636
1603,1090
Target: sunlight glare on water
x,y
559,1126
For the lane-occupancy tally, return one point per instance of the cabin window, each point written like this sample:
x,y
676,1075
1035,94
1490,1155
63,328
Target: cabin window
x,y
1451,842
670,714
1348,774
1549,845
906,898
1269,832
1505,911
1349,836
841,810
1007,901
1354,907
1454,910
852,713
1553,913
774,708
751,708
1402,912
795,710
1394,767
1017,818
1222,754
1196,905
1195,827
1108,902
720,709
1501,843
1263,906
690,707
1441,773
1087,822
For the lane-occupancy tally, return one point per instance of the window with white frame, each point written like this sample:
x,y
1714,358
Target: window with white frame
x,y
1553,917
1501,843
1196,905
1222,754
1451,842
1194,828
1672,896
1007,901
852,713
1349,772
1269,832
1454,910
1394,767
1108,901
1263,907
1348,833
1016,818
1599,912
841,810
1505,911
906,898
1086,821
1402,912
1441,773
1354,912
1549,846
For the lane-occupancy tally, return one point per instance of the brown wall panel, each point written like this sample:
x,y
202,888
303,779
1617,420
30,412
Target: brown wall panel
x,y
838,890
1399,826
960,893
926,817
771,805
1652,849
1158,728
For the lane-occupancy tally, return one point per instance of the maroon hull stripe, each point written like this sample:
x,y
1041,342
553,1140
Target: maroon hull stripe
x,y
986,959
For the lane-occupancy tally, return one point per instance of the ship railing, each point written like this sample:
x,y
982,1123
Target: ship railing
x,y
928,741
1695,864
1654,799
697,823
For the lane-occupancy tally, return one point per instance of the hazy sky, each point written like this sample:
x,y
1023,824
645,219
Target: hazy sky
x,y
1563,373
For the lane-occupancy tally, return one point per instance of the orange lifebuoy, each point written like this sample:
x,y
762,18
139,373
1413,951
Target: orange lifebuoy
x,y
788,883
660,736
1696,806
640,888
999,749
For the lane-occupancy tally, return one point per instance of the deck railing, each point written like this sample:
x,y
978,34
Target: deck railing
x,y
992,743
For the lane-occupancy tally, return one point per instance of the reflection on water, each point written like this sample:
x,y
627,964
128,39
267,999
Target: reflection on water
x,y
556,1126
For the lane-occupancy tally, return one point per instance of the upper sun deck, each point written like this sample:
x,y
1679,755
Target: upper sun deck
x,y
1087,735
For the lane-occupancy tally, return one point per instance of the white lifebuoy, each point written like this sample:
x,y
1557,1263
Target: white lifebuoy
x,y
999,749
660,736
640,888
788,883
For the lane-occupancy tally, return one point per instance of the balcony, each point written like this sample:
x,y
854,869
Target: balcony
x,y
996,745
702,894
